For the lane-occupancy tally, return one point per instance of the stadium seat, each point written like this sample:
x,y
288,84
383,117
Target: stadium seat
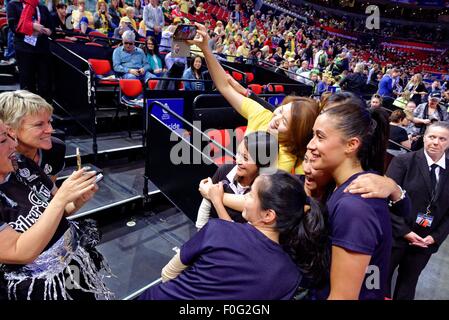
x,y
239,134
129,90
102,68
277,88
256,88
152,83
97,34
237,76
249,77
94,44
220,136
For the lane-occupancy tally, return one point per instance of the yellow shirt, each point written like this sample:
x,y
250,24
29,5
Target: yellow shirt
x,y
184,6
258,120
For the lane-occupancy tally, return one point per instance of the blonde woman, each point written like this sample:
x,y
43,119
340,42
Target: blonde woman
x,y
29,118
39,248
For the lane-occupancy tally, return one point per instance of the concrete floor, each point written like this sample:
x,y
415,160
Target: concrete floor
x,y
434,281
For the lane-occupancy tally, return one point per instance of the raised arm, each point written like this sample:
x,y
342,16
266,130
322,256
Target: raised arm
x,y
216,71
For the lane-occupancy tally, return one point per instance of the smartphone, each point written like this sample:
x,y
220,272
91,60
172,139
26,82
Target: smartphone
x,y
184,32
99,177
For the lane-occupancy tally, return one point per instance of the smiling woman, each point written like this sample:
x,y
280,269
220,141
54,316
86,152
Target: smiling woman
x,y
29,119
349,140
39,248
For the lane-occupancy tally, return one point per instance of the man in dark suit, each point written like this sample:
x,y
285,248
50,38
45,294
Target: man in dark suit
x,y
424,176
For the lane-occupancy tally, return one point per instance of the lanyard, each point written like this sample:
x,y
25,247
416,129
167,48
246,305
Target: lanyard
x,y
37,11
432,199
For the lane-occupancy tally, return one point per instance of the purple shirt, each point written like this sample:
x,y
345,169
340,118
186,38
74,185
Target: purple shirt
x,y
231,261
363,226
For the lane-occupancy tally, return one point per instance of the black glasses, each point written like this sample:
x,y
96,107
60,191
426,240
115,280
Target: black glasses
x,y
130,43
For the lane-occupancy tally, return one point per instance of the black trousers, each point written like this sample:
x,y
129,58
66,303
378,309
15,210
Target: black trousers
x,y
35,73
411,262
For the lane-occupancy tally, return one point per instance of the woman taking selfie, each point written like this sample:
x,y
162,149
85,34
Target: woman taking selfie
x,y
291,123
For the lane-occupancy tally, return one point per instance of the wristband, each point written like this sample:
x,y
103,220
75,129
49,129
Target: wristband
x,y
402,197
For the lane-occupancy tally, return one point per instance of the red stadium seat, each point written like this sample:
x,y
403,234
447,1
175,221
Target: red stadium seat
x,y
97,34
102,67
240,133
256,88
94,44
220,136
152,83
237,76
249,77
130,87
278,88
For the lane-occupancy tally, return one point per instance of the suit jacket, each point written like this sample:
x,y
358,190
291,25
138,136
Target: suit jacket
x,y
411,172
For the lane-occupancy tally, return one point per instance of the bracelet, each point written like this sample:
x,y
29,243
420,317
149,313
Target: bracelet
x,y
402,197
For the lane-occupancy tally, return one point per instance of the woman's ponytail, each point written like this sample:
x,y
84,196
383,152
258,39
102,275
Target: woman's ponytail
x,y
309,243
300,221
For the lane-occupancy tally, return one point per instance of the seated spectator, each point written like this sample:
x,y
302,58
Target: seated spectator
x,y
435,86
113,12
78,14
130,14
304,67
59,17
169,60
130,62
231,52
102,19
175,72
84,26
29,117
444,103
398,134
253,154
375,102
125,25
138,9
210,265
200,10
122,7
156,62
194,73
218,52
167,11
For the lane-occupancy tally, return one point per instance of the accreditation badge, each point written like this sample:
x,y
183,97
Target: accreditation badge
x,y
424,220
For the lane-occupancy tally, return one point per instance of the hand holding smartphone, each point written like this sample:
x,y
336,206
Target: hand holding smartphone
x,y
185,32
99,175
